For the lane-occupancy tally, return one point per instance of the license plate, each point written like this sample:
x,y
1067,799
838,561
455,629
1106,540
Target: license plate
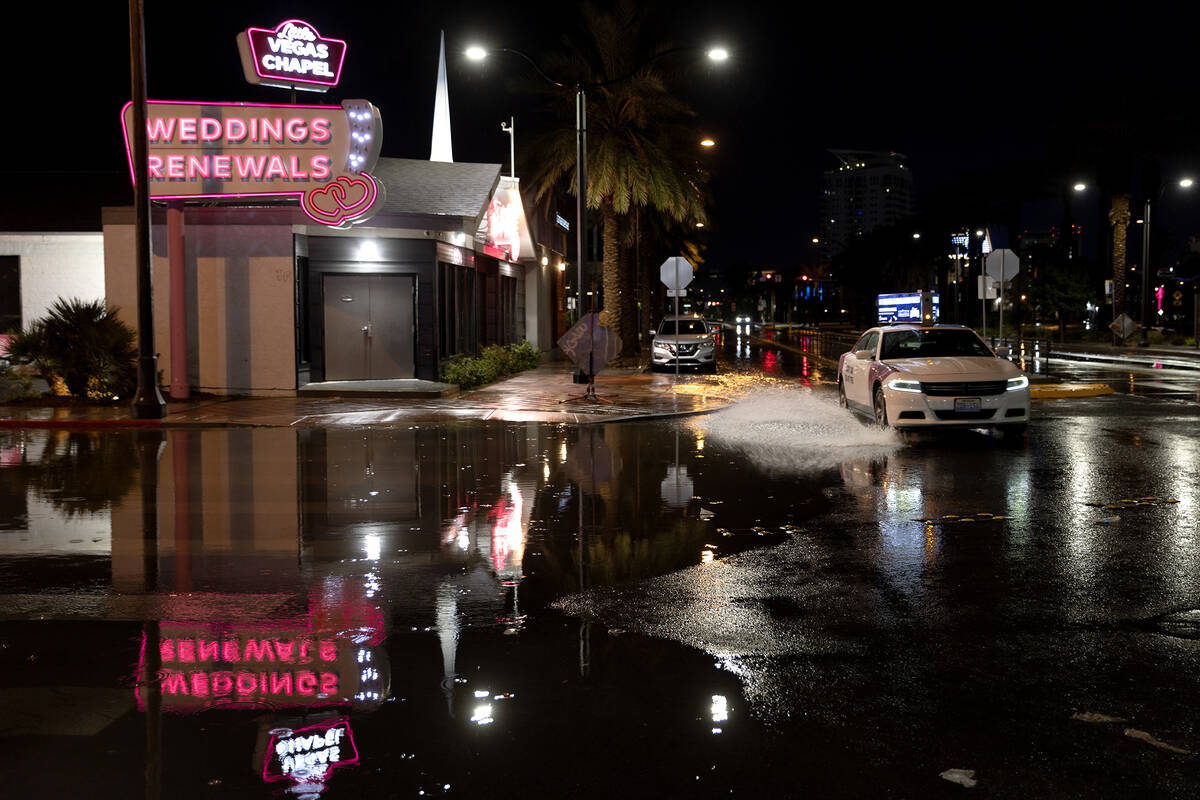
x,y
966,404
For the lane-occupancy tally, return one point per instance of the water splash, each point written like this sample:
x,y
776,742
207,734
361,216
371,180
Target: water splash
x,y
791,431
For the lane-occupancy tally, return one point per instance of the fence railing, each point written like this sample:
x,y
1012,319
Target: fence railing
x,y
1029,353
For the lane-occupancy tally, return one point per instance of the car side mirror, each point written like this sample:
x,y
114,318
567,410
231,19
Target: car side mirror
x,y
652,332
863,355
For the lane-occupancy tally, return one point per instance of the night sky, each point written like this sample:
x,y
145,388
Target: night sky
x,y
965,95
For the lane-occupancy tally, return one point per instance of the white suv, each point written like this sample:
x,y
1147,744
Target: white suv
x,y
921,376
686,341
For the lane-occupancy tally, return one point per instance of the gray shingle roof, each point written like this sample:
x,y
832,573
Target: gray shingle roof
x,y
436,187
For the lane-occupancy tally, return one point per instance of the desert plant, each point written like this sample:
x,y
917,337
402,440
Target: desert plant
x,y
83,344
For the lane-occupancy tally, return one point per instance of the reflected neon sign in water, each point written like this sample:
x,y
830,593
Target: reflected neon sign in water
x,y
309,753
204,668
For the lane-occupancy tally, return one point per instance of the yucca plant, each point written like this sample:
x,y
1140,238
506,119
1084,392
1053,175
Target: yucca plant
x,y
84,344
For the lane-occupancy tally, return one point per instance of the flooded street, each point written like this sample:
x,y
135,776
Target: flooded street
x,y
770,600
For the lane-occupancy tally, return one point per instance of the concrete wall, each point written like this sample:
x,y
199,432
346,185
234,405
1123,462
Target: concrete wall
x,y
240,286
54,265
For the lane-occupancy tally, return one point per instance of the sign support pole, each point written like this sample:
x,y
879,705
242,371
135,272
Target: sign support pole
x,y
676,327
148,402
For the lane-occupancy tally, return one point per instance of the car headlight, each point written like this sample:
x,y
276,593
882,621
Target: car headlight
x,y
1016,384
903,385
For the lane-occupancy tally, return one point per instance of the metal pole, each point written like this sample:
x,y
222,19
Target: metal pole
x,y
580,187
510,129
148,403
1145,339
1002,273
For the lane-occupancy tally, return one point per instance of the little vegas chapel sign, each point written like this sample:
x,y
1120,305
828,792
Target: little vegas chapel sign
x,y
292,55
321,155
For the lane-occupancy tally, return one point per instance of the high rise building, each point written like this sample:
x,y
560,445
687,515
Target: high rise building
x,y
865,191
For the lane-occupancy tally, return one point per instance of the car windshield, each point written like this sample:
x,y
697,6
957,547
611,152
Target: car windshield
x,y
932,343
671,327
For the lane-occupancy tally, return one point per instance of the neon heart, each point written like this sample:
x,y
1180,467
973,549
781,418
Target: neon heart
x,y
341,200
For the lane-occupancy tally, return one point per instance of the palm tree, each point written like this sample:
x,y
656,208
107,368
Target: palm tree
x,y
637,153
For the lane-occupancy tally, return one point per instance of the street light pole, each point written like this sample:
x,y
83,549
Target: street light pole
x,y
1144,341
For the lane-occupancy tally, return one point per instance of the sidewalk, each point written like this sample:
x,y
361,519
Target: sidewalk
x,y
545,394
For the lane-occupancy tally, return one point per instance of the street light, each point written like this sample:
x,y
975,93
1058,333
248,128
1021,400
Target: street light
x,y
478,53
1144,341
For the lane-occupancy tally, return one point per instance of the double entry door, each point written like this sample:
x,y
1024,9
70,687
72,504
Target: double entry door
x,y
369,333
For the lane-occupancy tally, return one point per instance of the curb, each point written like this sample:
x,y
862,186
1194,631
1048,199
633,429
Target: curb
x,y
83,424
1058,391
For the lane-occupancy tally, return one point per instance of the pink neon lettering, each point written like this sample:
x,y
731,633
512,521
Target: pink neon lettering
x,y
275,168
209,650
286,650
230,650
318,130
222,168
199,167
235,130
297,174
270,129
281,683
306,683
187,650
296,130
328,650
155,164
200,684
329,683
304,656
166,650
187,129
174,166
249,166
174,683
210,129
159,129
320,168
259,650
222,683
247,682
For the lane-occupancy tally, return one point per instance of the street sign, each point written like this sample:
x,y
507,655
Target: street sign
x,y
676,292
1003,264
676,272
985,288
1123,326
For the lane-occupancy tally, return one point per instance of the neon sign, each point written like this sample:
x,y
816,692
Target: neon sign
x,y
319,154
204,666
309,754
291,55
504,229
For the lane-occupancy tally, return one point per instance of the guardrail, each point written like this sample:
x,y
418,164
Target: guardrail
x,y
831,344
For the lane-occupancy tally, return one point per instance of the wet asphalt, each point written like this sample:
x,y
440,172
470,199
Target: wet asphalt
x,y
772,600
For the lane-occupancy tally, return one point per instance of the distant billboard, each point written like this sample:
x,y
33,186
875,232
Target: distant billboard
x,y
904,307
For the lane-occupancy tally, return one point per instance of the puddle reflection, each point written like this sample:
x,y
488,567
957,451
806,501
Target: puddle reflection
x,y
320,586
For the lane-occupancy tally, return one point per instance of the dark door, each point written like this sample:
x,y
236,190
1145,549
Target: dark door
x,y
368,327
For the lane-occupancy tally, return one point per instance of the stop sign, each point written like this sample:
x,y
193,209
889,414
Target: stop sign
x,y
1003,265
676,272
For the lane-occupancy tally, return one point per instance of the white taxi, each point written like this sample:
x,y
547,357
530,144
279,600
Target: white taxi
x,y
927,376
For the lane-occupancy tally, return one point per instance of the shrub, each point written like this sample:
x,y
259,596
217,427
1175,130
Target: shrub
x,y
493,362
83,346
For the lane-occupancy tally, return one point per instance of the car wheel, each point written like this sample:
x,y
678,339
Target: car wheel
x,y
881,418
841,393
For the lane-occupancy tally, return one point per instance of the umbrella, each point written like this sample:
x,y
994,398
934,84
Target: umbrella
x,y
590,344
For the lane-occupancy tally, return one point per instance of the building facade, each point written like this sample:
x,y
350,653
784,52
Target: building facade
x,y
272,303
866,190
